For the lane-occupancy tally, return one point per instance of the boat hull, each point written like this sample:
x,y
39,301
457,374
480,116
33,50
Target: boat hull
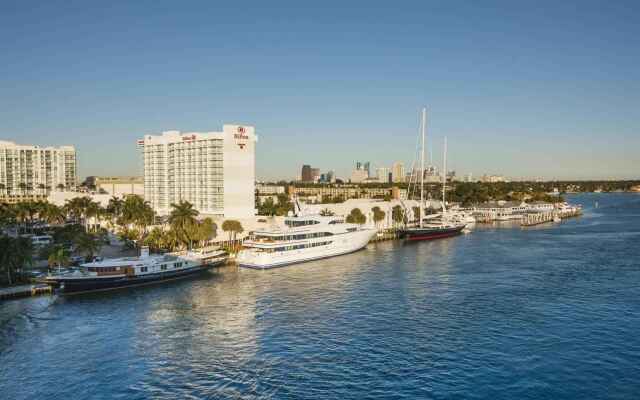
x,y
341,246
430,233
70,285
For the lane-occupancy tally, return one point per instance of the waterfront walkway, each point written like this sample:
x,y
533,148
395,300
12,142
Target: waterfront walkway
x,y
23,291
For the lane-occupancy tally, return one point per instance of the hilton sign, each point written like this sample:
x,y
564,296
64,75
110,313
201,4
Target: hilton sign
x,y
241,137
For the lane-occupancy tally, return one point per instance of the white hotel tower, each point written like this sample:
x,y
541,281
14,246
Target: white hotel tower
x,y
214,171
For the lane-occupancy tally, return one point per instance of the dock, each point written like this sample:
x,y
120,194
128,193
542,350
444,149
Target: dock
x,y
15,292
532,219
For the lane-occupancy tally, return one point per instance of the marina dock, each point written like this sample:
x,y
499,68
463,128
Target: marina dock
x,y
15,292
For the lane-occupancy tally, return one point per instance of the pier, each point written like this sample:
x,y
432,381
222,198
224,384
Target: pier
x,y
532,219
15,292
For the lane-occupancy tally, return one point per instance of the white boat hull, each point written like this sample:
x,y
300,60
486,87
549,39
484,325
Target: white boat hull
x,y
340,244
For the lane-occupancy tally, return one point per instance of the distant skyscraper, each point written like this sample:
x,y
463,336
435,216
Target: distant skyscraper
x,y
358,175
367,167
358,165
315,174
397,172
331,177
382,174
306,176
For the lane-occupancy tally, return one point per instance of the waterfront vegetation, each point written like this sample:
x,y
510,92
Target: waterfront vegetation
x,y
81,226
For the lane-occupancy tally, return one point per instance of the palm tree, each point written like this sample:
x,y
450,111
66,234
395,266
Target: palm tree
x,y
183,219
57,257
155,239
327,213
397,215
52,214
378,215
207,230
15,254
356,217
89,245
136,213
232,227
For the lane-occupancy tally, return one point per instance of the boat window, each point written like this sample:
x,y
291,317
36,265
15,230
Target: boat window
x,y
296,223
336,221
163,267
143,269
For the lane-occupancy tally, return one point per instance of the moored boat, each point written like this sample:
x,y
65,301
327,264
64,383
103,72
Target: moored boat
x,y
303,238
123,272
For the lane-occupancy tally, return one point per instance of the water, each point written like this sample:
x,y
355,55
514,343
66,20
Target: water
x,y
501,313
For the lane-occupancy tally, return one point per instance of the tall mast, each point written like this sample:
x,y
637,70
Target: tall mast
x,y
424,123
444,175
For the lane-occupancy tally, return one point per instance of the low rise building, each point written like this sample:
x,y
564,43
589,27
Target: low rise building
x,y
119,185
343,192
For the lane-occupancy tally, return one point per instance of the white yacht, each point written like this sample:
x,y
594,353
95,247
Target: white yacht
x,y
303,238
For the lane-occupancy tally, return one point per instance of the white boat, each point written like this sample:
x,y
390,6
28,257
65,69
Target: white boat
x,y
114,273
301,239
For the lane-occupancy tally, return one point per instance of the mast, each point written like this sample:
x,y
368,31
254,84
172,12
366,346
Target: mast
x,y
424,123
444,176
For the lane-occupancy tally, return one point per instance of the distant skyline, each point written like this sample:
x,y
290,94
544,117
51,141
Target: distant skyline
x,y
547,90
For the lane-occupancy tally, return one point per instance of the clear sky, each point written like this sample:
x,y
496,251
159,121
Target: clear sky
x,y
548,89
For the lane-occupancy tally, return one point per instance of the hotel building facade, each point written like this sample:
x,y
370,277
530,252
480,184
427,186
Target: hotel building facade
x,y
214,171
28,171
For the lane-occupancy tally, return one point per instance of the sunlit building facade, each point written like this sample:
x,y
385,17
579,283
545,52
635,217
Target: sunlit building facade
x,y
214,171
27,170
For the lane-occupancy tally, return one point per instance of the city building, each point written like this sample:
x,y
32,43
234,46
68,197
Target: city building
x,y
117,185
28,171
492,178
358,176
335,192
306,175
397,172
383,174
214,171
361,173
315,174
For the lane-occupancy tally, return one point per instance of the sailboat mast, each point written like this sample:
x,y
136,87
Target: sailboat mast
x,y
424,123
444,176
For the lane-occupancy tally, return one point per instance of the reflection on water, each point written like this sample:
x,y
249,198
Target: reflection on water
x,y
502,312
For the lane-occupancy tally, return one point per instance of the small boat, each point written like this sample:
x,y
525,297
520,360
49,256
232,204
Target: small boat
x,y
123,272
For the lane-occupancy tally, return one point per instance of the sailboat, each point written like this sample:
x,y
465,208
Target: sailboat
x,y
446,227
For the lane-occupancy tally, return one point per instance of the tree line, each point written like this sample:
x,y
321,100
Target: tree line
x,y
80,225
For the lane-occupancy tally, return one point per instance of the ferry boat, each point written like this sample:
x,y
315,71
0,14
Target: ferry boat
x,y
301,239
122,272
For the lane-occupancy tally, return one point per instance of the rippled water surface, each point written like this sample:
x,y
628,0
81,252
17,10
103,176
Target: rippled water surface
x,y
501,313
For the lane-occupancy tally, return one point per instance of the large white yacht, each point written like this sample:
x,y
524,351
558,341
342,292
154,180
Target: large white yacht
x,y
303,238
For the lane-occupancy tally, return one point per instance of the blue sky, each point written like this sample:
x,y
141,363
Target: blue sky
x,y
550,89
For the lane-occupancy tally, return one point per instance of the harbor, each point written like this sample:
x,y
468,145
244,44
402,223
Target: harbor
x,y
506,291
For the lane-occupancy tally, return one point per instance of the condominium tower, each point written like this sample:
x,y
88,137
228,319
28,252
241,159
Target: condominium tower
x,y
27,170
397,172
214,171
